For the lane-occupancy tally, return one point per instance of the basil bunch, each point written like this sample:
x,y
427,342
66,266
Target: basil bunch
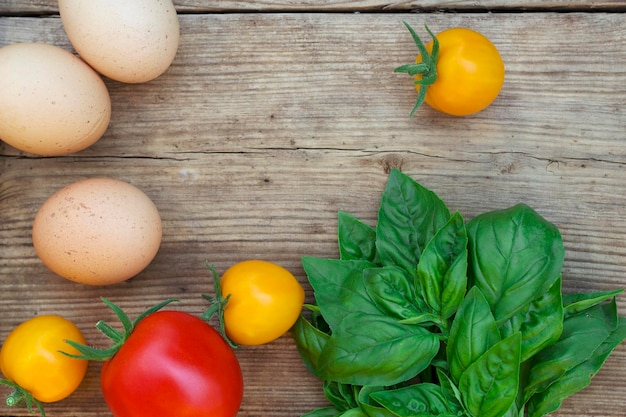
x,y
426,315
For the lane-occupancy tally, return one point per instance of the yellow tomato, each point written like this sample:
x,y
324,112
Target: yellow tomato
x,y
30,358
470,73
264,301
461,74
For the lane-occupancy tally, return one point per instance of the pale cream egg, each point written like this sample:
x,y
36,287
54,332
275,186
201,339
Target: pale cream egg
x,y
51,102
131,41
97,231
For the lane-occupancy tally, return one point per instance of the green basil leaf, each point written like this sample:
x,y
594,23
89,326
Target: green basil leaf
x,y
451,392
424,319
575,303
323,412
576,378
357,240
442,268
342,396
540,322
515,255
355,412
514,411
309,341
489,385
413,400
317,320
408,217
376,350
582,334
391,289
339,289
473,332
369,405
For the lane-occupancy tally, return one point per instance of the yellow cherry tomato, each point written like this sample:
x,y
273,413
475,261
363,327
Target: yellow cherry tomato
x,y
470,73
30,358
264,301
467,76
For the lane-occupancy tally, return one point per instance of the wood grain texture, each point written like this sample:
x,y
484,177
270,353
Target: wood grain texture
x,y
17,7
267,124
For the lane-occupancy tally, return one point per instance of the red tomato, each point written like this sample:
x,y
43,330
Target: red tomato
x,y
173,364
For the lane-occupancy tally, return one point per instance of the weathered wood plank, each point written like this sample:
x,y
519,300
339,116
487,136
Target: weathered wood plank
x,y
267,124
50,6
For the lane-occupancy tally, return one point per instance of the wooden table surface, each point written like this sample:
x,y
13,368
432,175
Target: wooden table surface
x,y
277,114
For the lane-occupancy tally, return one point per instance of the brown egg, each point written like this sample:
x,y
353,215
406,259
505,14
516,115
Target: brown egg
x,y
97,231
131,41
51,102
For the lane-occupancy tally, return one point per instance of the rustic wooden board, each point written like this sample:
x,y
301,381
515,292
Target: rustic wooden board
x,y
47,6
267,124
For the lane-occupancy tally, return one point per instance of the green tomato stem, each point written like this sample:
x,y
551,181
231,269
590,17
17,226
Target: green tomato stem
x,y
21,396
15,398
217,305
117,337
426,70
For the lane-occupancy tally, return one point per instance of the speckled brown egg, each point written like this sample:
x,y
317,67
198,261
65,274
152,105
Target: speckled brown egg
x,y
97,231
51,101
131,41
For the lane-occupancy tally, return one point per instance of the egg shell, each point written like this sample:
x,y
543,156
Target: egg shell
x,y
51,101
131,41
97,231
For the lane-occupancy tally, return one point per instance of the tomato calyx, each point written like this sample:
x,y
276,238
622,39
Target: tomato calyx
x,y
117,337
217,304
19,396
424,72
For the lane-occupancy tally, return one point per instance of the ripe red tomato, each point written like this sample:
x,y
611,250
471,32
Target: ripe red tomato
x,y
173,364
